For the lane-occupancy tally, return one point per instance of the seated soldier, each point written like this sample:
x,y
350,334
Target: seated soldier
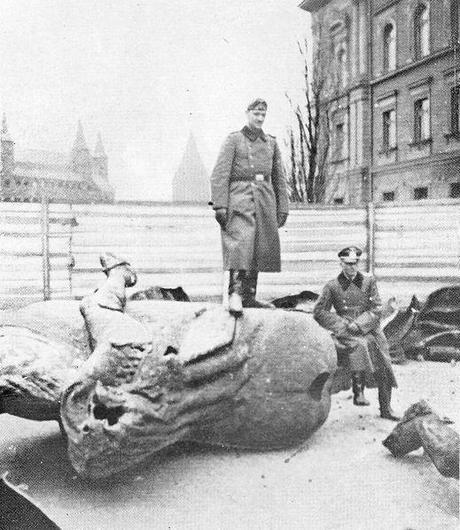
x,y
355,327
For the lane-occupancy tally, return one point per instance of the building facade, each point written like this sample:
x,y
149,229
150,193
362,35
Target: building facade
x,y
34,175
395,110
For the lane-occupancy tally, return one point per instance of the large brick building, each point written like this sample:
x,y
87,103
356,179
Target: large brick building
x,y
33,175
395,111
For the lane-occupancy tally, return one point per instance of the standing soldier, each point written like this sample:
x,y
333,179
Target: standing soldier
x,y
249,196
355,325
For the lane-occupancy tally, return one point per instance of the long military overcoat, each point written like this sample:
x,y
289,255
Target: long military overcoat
x,y
248,179
357,301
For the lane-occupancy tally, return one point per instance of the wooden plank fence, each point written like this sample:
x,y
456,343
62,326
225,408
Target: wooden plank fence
x,y
51,251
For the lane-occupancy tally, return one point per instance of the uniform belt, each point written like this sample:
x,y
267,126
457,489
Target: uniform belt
x,y
258,178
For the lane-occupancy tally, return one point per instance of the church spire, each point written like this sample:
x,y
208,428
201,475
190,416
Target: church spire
x,y
81,158
190,183
80,142
99,151
5,135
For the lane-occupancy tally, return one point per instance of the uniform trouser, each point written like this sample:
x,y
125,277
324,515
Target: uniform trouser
x,y
366,354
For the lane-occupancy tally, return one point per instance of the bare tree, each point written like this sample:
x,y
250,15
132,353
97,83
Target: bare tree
x,y
310,139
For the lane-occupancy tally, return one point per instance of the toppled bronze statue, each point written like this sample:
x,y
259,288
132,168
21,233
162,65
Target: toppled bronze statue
x,y
435,333
422,427
142,375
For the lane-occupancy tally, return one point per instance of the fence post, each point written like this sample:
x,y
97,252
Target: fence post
x,y
45,232
370,228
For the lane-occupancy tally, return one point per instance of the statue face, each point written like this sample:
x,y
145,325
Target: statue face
x,y
112,427
262,384
134,403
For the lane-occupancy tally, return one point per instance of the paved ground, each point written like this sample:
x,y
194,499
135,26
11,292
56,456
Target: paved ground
x,y
342,478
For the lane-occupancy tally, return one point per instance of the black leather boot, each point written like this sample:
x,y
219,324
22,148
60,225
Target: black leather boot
x,y
235,292
385,400
250,290
358,386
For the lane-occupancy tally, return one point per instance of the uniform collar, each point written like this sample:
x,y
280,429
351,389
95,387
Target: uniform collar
x,y
345,282
253,135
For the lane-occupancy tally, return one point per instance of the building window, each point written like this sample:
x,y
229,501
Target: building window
x,y
339,138
420,193
455,109
421,31
342,67
455,190
338,200
389,129
389,48
421,120
388,196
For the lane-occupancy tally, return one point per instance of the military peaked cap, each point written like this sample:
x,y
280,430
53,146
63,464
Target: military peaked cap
x,y
350,254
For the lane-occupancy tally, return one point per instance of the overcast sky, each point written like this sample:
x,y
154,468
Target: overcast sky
x,y
144,73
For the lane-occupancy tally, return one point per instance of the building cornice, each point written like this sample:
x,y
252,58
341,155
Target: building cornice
x,y
411,66
432,160
386,6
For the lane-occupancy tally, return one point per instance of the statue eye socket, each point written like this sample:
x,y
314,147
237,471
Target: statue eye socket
x,y
111,414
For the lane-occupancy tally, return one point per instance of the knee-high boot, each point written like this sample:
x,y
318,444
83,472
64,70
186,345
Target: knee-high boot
x,y
235,292
358,385
384,387
250,290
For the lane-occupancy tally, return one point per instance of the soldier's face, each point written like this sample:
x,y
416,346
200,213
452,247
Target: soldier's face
x,y
256,118
350,269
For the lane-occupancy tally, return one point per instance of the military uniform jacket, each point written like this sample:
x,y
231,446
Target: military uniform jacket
x,y
248,179
356,301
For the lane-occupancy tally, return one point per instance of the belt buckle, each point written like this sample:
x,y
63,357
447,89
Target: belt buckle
x,y
259,177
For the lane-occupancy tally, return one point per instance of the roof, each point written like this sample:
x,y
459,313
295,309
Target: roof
x,y
313,5
37,171
42,157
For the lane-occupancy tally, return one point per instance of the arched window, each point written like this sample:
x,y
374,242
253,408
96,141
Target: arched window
x,y
421,31
389,48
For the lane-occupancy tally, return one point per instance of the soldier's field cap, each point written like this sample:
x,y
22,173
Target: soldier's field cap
x,y
259,104
350,254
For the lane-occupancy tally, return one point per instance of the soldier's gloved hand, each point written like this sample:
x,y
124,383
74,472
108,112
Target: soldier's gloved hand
x,y
221,217
282,218
354,328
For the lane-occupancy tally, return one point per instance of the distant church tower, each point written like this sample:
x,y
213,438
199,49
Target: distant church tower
x,y
81,157
191,182
7,150
100,159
